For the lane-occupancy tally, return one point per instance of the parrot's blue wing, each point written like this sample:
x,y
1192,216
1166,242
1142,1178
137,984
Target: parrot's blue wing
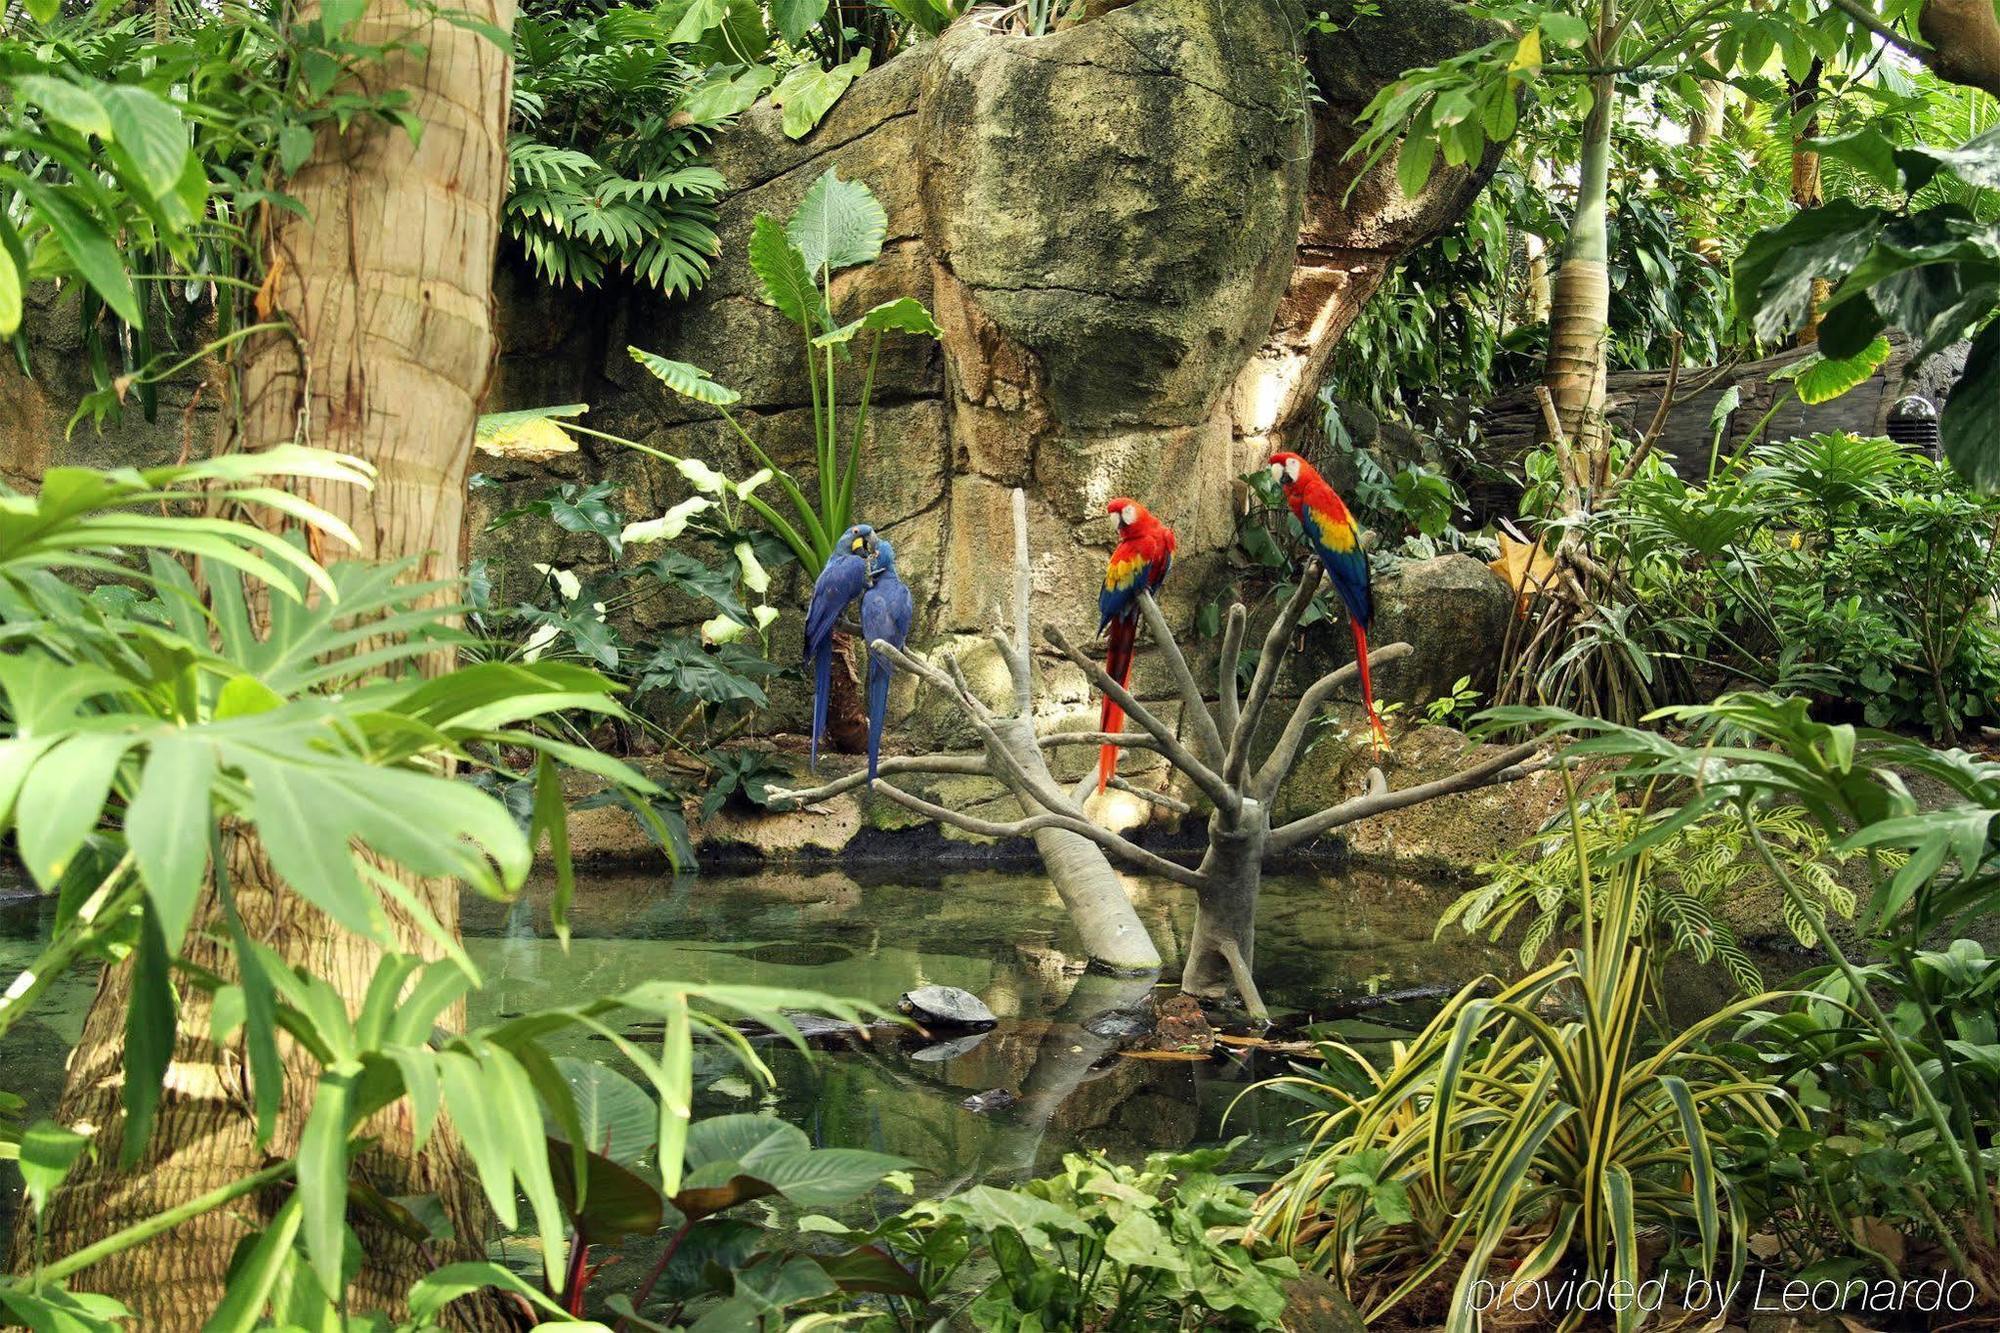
x,y
840,581
886,612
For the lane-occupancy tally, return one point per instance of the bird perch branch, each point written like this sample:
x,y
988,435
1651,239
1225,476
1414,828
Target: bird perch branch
x,y
1503,767
1194,709
1278,765
1178,755
1268,662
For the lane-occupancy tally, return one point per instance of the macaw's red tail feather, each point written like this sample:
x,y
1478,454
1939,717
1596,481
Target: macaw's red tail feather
x,y
1378,734
1111,718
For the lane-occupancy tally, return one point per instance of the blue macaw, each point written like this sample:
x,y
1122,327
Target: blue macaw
x,y
840,581
886,609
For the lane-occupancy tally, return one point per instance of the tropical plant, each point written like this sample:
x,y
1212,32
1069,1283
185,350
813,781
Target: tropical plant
x,y
152,721
605,171
1750,750
838,225
1100,1245
692,688
1686,879
1843,566
1870,1183
1929,270
1532,1119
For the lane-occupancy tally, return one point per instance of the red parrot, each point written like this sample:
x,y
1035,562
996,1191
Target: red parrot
x,y
1336,540
1140,563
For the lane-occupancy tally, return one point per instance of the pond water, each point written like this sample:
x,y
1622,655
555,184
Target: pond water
x,y
1323,940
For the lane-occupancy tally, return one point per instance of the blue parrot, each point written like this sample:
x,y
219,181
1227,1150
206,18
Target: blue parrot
x,y
840,581
885,614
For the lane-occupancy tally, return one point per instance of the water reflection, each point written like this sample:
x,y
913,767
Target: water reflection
x,y
1322,940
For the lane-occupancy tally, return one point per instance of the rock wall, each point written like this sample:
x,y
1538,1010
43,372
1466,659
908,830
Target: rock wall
x,y
1140,235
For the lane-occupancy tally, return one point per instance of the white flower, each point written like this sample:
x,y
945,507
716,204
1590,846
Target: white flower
x,y
765,615
567,582
543,636
668,525
722,629
702,477
749,484
755,577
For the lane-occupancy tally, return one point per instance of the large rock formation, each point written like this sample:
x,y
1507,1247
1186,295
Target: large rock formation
x,y
1141,237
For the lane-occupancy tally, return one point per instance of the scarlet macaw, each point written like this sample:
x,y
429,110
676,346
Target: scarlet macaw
x,y
840,581
1144,554
885,614
1336,540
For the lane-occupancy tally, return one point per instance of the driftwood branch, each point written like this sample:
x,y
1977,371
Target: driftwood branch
x,y
1180,756
1266,677
1195,716
970,765
1150,862
1285,752
1227,703
1503,767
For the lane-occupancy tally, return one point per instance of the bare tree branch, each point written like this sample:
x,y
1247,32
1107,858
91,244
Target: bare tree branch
x,y
1150,862
967,764
1130,740
1278,765
1503,767
1210,782
1268,664
1159,798
1194,709
1225,672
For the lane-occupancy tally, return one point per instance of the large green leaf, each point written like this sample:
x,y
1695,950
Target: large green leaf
x,y
787,279
808,92
795,18
150,134
615,1116
47,1152
166,827
905,314
838,224
1774,275
1820,379
67,104
89,247
684,379
1970,423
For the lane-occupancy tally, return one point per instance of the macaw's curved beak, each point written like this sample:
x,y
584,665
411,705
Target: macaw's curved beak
x,y
859,543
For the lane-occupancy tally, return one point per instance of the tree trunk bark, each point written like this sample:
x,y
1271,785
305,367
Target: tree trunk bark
x,y
1805,182
1580,304
1222,952
388,290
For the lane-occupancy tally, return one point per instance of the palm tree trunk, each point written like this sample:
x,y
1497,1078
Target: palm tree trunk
x,y
388,290
1580,304
1805,182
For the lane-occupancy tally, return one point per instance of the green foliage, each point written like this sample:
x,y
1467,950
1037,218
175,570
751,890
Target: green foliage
x,y
1845,566
1874,1159
131,166
1931,270
605,171
1686,878
1751,750
1539,1114
690,688
838,225
1098,1245
1450,707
